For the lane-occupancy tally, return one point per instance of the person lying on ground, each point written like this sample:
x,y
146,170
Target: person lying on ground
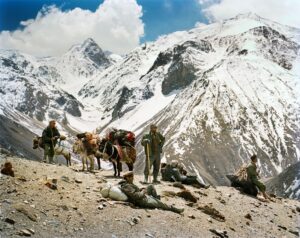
x,y
145,198
175,172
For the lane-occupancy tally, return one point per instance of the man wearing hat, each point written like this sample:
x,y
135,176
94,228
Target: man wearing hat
x,y
146,198
50,136
153,143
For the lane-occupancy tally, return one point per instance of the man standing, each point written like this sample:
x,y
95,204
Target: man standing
x,y
153,143
146,198
252,175
50,136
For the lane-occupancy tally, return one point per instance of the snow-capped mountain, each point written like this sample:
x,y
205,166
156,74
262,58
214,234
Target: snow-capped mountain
x,y
287,183
219,93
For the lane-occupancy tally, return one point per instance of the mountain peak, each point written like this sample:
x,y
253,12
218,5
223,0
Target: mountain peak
x,y
90,50
89,42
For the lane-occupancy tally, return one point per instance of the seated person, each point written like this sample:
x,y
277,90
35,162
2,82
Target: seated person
x,y
252,176
145,198
176,173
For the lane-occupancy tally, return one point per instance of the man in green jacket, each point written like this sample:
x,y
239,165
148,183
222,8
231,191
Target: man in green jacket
x,y
153,143
50,136
145,198
252,175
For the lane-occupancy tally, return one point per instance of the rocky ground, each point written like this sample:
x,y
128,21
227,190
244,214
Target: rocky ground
x,y
77,209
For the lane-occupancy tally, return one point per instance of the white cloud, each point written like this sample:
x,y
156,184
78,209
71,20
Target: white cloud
x,y
116,26
283,11
199,24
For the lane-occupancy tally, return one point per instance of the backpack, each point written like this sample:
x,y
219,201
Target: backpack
x,y
242,174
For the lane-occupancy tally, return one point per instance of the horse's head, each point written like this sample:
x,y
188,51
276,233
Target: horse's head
x,y
35,142
77,146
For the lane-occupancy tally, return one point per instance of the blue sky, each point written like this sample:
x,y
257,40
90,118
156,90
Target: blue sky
x,y
159,16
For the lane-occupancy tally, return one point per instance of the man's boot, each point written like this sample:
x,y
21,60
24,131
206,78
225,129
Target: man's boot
x,y
146,179
155,180
177,210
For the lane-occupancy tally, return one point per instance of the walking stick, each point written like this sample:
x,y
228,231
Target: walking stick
x,y
148,160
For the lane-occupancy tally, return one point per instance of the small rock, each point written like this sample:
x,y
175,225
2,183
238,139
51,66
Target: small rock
x,y
178,185
65,208
148,215
231,228
13,190
192,216
187,195
298,209
65,179
136,220
24,232
209,220
248,223
149,235
102,200
78,181
282,227
29,212
294,232
100,207
22,178
248,216
190,204
222,234
81,228
8,201
9,220
215,214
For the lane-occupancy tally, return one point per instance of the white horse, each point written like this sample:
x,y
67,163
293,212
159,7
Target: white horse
x,y
58,150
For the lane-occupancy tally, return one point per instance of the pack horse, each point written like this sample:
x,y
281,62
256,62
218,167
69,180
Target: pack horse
x,y
58,150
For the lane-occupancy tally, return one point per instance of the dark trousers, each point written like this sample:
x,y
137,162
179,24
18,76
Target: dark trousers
x,y
155,161
193,180
48,153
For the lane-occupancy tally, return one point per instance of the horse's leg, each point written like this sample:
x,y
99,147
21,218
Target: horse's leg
x,y
70,159
130,166
98,162
115,168
119,167
83,159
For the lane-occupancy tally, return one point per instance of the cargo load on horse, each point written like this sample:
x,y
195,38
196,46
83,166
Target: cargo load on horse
x,y
121,137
